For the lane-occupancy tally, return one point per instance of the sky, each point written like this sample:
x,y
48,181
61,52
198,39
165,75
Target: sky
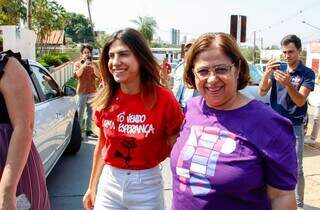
x,y
271,19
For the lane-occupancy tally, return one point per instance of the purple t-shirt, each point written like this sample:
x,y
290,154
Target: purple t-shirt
x,y
224,160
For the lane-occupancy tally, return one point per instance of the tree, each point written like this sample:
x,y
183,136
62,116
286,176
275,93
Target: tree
x,y
90,18
101,40
79,28
47,16
11,11
146,26
248,54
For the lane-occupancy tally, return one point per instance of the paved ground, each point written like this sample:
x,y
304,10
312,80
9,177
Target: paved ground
x,y
312,177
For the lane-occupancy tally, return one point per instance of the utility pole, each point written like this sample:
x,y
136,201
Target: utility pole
x,y
261,48
29,14
254,47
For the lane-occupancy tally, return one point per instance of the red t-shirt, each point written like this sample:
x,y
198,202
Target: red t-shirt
x,y
137,137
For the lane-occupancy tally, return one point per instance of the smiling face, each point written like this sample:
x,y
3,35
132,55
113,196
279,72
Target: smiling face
x,y
218,89
124,67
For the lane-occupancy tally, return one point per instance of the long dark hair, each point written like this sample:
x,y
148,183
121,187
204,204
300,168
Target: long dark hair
x,y
149,69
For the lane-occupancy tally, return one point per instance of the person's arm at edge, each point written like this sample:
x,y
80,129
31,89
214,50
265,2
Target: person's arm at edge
x,y
20,105
281,199
298,97
97,166
265,83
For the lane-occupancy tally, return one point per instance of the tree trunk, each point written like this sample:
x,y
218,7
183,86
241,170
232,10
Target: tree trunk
x,y
90,18
29,14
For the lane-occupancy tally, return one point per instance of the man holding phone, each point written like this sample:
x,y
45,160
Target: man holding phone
x,y
86,73
289,91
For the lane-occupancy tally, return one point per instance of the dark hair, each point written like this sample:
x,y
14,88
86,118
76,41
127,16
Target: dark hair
x,y
149,68
291,38
86,46
228,45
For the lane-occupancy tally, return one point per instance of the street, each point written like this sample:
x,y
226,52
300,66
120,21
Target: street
x,y
69,179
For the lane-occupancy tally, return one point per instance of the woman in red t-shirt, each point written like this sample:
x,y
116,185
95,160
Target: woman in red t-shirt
x,y
138,121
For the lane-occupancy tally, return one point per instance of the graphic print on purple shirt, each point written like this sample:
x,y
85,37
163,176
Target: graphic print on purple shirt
x,y
202,148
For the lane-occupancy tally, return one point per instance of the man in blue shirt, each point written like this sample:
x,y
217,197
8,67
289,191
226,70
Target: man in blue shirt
x,y
180,91
289,93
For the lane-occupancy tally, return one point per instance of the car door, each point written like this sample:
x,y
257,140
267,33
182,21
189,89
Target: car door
x,y
51,118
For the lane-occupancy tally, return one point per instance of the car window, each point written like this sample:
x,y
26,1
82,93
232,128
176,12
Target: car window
x,y
255,74
47,84
35,95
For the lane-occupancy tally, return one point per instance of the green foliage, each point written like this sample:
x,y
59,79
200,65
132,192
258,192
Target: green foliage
x,y
11,11
146,26
248,54
63,57
72,82
79,28
53,59
101,40
48,15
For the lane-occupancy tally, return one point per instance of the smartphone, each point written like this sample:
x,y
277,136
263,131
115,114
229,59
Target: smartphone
x,y
283,66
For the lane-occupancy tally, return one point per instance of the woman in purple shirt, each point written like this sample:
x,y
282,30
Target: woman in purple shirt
x,y
233,152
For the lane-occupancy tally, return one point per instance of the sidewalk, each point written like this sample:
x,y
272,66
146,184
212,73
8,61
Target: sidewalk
x,y
311,166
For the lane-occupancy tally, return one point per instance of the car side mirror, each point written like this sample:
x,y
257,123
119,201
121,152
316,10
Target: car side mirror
x,y
69,91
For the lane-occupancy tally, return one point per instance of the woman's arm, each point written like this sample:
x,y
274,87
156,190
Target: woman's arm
x,y
97,163
97,166
15,86
281,199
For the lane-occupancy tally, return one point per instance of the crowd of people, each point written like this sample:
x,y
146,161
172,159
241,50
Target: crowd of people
x,y
227,151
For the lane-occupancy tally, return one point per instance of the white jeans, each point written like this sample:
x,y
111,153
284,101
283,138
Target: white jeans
x,y
130,189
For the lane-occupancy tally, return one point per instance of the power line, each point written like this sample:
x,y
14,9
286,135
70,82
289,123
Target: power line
x,y
310,25
282,21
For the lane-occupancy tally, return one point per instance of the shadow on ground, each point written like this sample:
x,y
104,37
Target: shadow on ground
x,y
307,207
69,179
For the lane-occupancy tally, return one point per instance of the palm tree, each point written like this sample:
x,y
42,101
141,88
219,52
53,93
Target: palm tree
x,y
90,18
146,26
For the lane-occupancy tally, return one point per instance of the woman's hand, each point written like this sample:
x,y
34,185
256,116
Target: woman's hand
x,y
7,200
88,199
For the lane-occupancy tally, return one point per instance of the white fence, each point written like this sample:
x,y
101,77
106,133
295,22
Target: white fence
x,y
63,73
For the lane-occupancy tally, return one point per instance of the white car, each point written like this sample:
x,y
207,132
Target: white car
x,y
56,128
252,90
95,54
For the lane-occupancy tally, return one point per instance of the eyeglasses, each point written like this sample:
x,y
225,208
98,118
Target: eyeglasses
x,y
218,70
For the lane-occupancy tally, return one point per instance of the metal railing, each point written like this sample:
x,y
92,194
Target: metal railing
x,y
63,73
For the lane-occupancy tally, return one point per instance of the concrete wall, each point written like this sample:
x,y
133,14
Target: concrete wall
x,y
313,56
19,40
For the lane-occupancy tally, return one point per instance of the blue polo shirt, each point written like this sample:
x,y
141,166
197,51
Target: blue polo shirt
x,y
280,99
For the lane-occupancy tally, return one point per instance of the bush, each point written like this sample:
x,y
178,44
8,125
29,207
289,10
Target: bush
x,y
72,82
53,59
63,58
